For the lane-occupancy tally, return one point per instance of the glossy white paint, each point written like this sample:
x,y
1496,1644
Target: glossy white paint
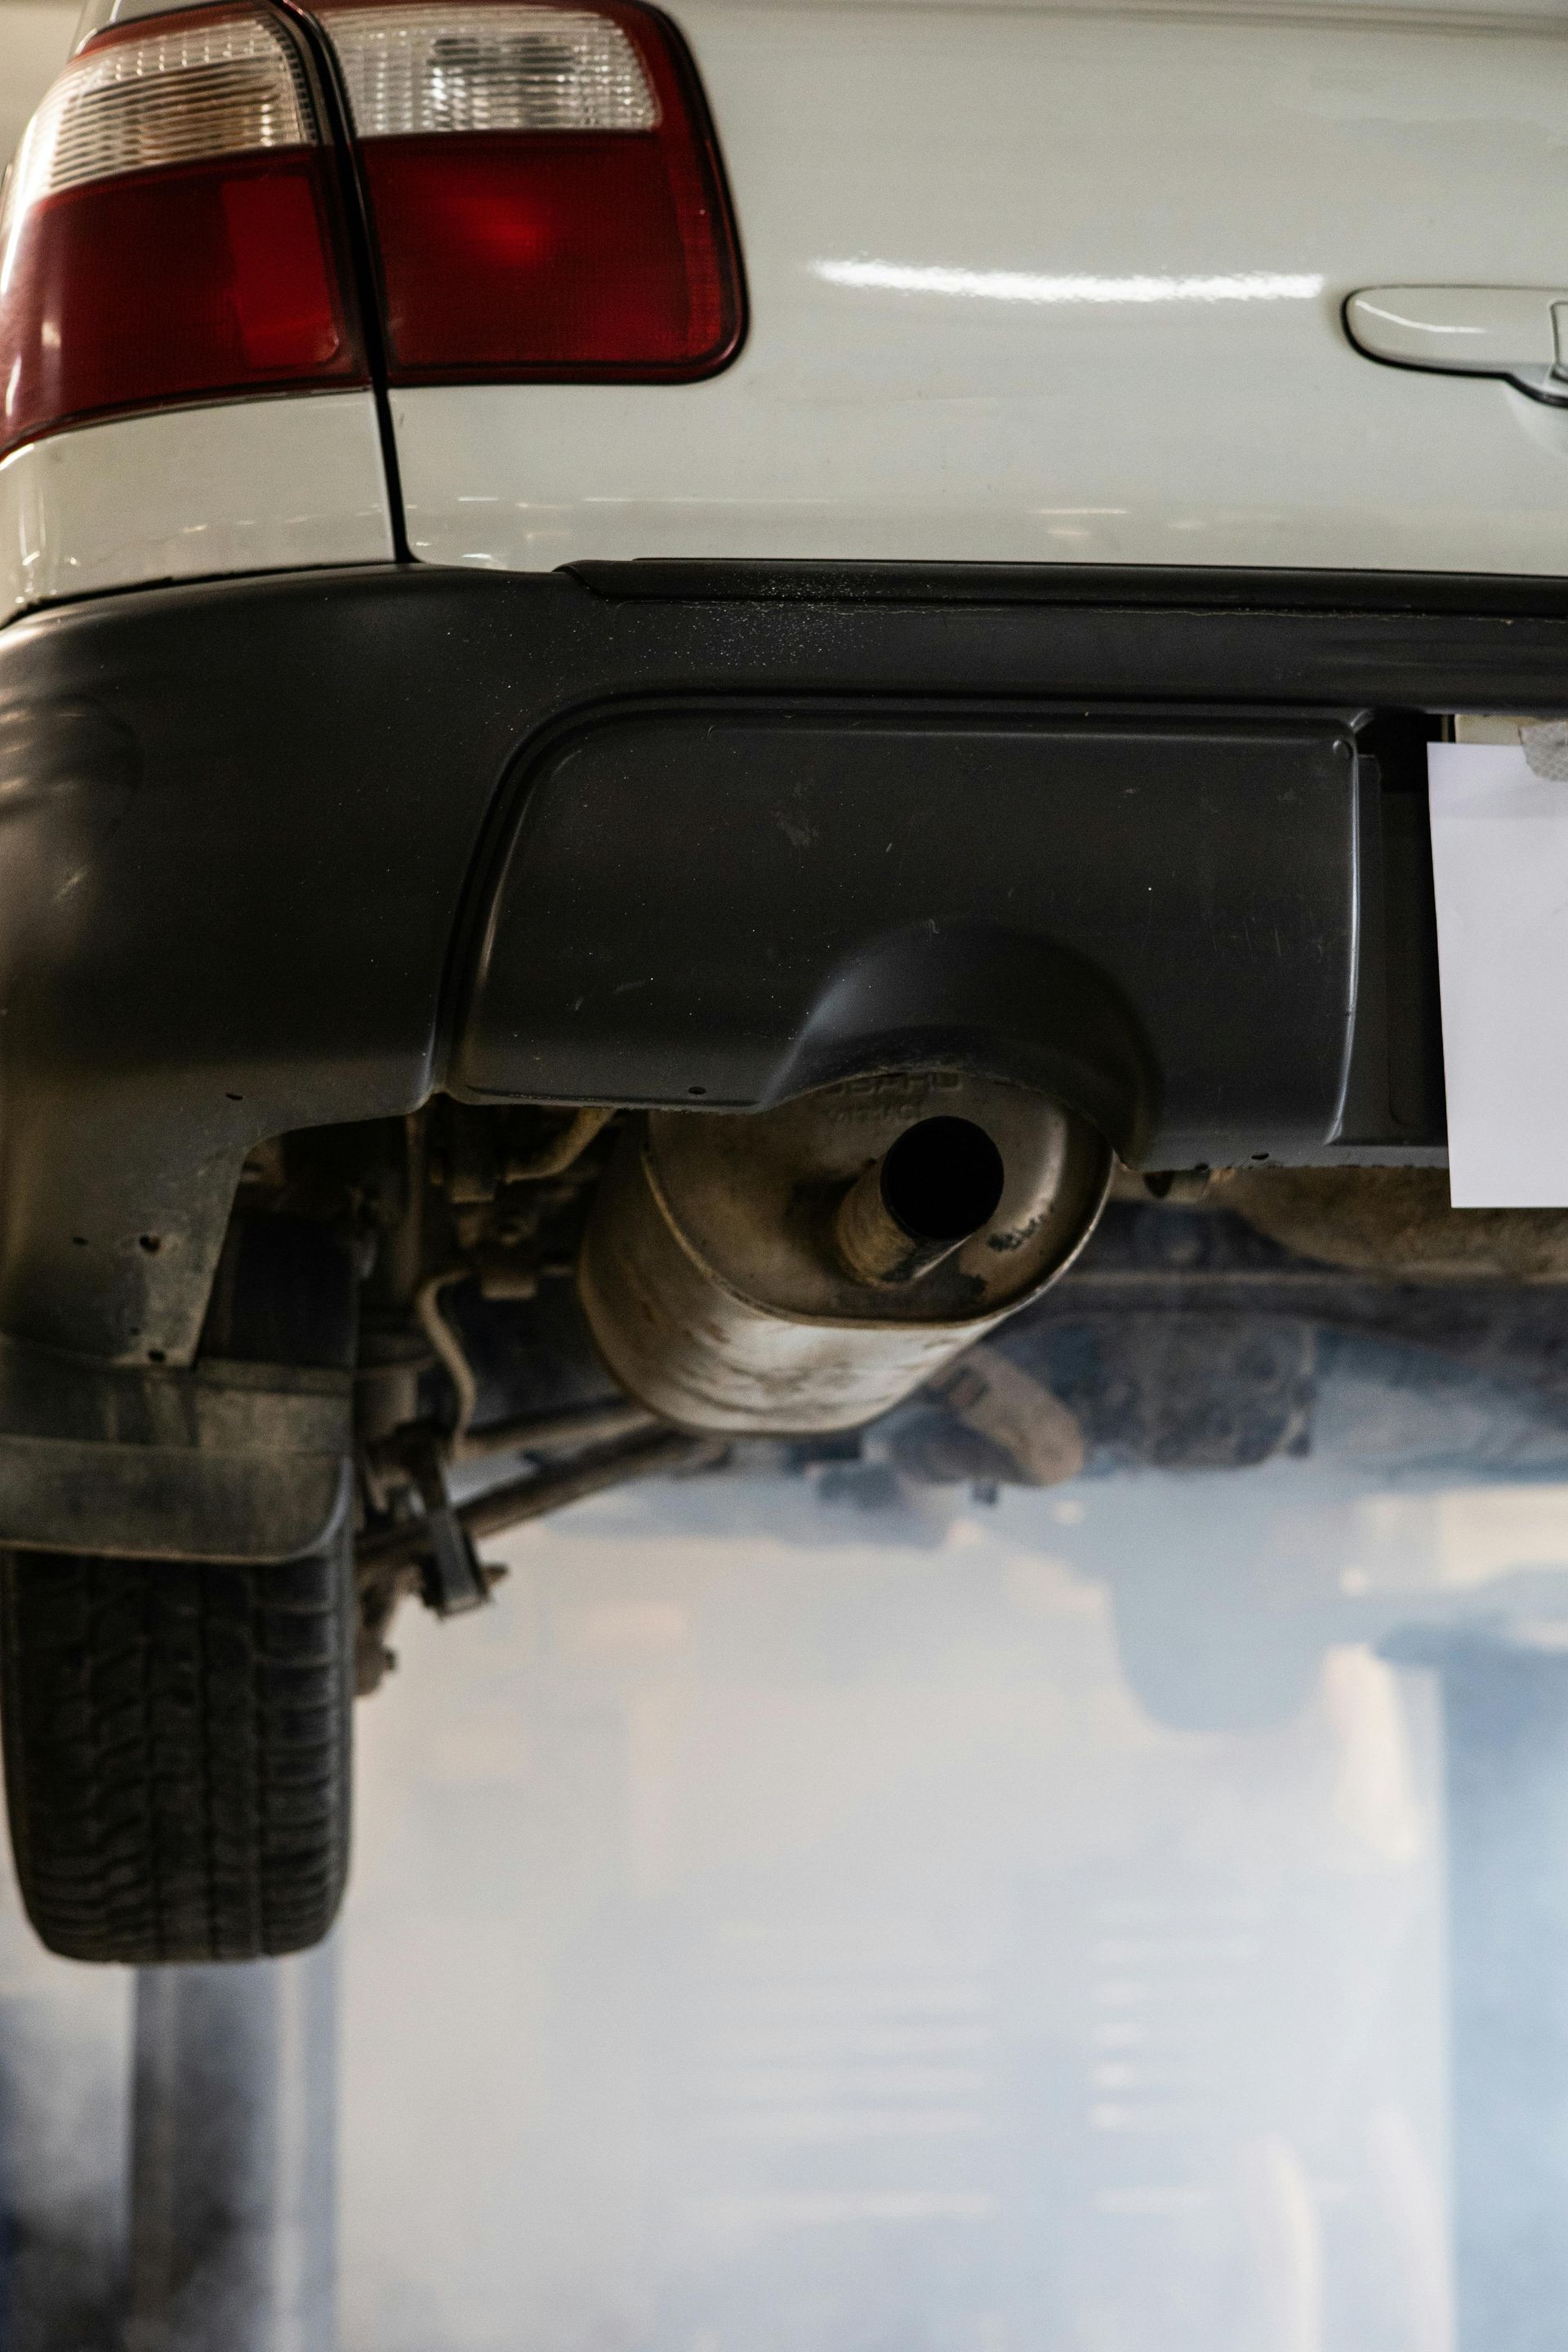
x,y
1046,284
248,486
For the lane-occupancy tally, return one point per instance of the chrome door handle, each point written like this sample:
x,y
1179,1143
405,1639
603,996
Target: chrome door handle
x,y
1520,332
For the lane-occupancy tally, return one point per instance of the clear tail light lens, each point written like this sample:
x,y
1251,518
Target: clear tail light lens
x,y
544,191
167,230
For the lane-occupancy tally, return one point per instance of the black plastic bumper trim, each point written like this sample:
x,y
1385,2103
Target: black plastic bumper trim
x,y
250,829
1132,587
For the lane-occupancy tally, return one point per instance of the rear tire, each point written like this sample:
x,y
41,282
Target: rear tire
x,y
177,1749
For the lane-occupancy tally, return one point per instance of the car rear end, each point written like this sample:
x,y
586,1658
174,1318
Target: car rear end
x,y
615,614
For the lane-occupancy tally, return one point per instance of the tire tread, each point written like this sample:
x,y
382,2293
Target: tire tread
x,y
176,1747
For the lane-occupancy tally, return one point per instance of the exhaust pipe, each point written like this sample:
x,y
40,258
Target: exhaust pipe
x,y
787,1272
930,1192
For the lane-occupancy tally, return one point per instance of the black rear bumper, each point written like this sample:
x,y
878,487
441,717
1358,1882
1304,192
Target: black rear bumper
x,y
293,852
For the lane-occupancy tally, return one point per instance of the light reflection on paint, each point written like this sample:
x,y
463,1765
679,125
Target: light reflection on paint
x,y
1027,286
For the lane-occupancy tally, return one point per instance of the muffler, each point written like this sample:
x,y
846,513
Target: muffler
x,y
792,1271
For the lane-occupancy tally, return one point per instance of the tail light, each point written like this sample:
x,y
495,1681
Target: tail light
x,y
542,190
545,194
166,231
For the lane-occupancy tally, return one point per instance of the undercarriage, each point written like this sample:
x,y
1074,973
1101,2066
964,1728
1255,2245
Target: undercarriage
x,y
471,1042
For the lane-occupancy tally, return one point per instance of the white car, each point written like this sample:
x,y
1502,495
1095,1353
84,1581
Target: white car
x,y
577,572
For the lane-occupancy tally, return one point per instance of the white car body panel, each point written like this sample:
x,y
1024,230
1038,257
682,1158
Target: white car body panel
x,y
1047,285
245,486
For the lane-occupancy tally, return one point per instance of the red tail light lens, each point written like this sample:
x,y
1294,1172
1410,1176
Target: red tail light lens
x,y
544,191
167,230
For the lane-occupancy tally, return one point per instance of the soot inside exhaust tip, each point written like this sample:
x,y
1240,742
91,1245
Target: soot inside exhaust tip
x,y
937,1183
943,1179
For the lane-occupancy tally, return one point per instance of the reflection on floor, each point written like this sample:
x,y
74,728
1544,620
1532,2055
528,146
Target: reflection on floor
x,y
784,1931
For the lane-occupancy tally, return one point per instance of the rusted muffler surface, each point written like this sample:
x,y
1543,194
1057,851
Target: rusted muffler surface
x,y
1394,1223
802,1269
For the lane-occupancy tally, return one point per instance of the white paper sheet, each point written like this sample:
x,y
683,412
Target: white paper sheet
x,y
1499,857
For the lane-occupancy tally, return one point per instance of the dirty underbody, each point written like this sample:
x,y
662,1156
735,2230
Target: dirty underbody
x,y
1209,1321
